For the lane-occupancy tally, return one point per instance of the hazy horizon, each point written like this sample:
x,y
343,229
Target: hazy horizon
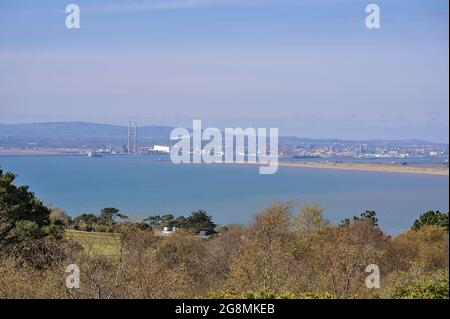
x,y
124,125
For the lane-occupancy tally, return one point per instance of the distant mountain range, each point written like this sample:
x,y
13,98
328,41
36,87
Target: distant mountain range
x,y
82,134
76,134
77,130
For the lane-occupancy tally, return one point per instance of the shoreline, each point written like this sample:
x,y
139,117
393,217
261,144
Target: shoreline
x,y
368,167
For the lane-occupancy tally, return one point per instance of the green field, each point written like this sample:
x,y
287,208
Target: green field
x,y
107,244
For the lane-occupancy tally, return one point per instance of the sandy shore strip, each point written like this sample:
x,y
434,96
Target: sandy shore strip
x,y
388,168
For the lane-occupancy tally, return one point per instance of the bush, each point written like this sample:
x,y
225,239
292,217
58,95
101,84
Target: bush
x,y
250,295
270,295
101,228
427,246
317,295
428,289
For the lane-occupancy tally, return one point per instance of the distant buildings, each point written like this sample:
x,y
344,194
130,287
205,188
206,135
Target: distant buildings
x,y
375,149
164,232
109,140
167,231
160,149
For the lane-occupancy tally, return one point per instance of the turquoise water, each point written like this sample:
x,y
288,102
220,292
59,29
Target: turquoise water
x,y
141,186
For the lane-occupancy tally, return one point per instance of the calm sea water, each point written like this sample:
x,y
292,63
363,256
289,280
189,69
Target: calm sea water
x,y
141,186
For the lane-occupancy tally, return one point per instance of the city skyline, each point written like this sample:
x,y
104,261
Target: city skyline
x,y
81,138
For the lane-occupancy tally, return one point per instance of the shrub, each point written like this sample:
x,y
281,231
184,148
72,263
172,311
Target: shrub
x,y
317,295
427,289
101,228
250,295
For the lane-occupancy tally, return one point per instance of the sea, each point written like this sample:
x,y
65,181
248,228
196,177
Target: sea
x,y
141,186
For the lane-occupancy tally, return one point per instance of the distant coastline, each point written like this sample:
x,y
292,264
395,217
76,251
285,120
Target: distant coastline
x,y
372,167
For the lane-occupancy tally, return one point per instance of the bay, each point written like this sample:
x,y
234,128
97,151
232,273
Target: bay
x,y
141,186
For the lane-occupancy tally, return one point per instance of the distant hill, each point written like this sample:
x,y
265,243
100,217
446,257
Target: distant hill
x,y
77,134
77,130
82,134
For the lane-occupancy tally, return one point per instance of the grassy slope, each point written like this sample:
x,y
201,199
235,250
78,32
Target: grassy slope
x,y
96,243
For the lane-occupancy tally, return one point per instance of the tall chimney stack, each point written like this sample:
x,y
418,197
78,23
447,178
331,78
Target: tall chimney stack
x,y
129,138
135,138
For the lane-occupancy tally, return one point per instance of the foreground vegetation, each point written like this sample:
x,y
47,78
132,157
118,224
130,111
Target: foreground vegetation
x,y
284,252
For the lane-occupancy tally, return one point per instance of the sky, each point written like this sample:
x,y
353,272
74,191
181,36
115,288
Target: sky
x,y
309,67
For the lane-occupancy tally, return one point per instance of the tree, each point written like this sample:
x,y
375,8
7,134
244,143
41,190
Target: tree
x,y
200,221
167,220
264,261
225,248
109,215
180,222
334,259
85,222
59,217
17,205
153,220
310,218
368,215
426,248
25,223
431,218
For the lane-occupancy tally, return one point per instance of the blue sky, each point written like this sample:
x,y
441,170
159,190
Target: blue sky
x,y
309,67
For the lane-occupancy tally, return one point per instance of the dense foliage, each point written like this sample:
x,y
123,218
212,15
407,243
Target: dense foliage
x,y
26,232
198,221
431,218
106,221
430,288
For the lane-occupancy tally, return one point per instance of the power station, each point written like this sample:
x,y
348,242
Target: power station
x,y
132,148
